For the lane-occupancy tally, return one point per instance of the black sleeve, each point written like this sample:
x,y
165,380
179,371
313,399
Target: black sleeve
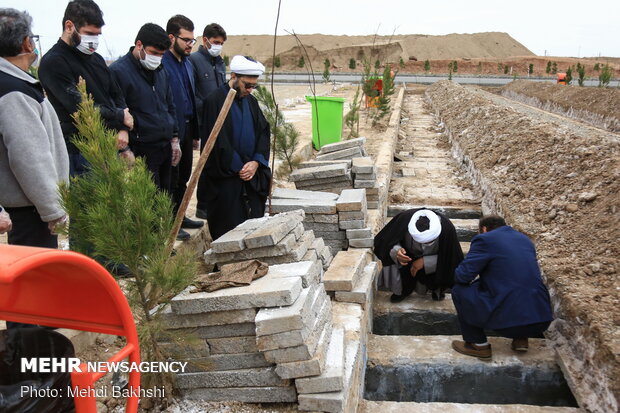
x,y
56,77
114,116
390,235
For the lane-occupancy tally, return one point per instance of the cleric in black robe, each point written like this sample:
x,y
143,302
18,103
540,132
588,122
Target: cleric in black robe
x,y
237,174
419,249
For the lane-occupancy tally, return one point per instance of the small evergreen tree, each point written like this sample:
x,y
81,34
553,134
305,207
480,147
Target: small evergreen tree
x,y
530,69
500,67
455,66
352,118
605,76
326,74
301,62
548,68
569,75
597,67
385,97
352,64
581,71
401,63
277,62
377,64
554,68
506,69
427,65
119,211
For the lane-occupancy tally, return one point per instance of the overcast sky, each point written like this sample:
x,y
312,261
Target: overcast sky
x,y
559,28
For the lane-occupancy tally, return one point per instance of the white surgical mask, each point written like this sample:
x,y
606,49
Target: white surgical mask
x,y
150,62
88,44
215,50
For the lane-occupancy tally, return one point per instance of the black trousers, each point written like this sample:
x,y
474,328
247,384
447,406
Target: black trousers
x,y
202,189
421,277
158,158
29,230
183,171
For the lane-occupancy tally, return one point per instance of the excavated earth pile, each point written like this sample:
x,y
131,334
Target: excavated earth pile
x,y
557,181
597,106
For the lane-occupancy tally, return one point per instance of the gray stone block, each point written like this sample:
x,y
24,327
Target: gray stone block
x,y
345,270
285,193
361,243
233,240
233,345
372,191
299,353
267,291
332,377
355,224
326,256
222,362
215,318
331,235
284,247
373,204
325,218
231,330
352,215
195,349
351,200
358,233
318,245
307,368
338,146
366,177
244,394
318,172
293,317
336,245
309,271
346,177
335,187
322,227
363,289
259,377
360,183
308,205
295,337
342,154
274,230
362,165
314,164
311,255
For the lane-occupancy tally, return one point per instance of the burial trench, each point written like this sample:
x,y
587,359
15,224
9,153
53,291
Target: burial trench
x,y
411,366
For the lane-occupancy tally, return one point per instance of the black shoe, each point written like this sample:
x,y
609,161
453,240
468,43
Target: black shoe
x,y
438,295
183,235
395,298
190,223
201,213
118,270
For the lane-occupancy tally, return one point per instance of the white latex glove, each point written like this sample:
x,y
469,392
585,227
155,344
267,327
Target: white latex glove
x,y
5,222
176,151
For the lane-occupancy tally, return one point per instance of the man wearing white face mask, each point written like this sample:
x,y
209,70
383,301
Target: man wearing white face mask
x,y
73,57
210,73
146,85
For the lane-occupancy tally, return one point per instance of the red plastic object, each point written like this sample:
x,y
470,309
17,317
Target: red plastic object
x,y
68,290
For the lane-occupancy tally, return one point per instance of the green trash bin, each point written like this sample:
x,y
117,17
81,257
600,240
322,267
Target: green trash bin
x,y
329,111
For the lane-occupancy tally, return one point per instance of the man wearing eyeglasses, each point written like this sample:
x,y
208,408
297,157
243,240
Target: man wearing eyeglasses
x,y
180,30
237,173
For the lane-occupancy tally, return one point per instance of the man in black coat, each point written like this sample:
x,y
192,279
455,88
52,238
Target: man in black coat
x,y
73,57
237,171
421,247
210,73
148,94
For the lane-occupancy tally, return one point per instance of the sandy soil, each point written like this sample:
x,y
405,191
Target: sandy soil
x,y
558,181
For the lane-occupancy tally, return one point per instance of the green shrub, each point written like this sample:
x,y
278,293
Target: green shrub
x,y
427,65
352,64
301,62
276,61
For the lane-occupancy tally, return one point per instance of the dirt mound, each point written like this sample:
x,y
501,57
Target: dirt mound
x,y
337,48
598,106
558,182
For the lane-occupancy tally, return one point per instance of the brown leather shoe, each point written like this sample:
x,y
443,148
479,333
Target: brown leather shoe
x,y
520,344
470,349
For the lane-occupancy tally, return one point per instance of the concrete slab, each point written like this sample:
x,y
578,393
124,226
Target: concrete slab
x,y
362,165
274,230
233,345
214,318
310,206
363,183
323,218
356,224
299,353
322,227
351,200
331,235
233,240
309,271
286,193
259,377
231,330
338,146
267,291
363,290
531,378
345,269
359,233
367,406
332,377
314,163
244,394
349,153
352,215
221,362
318,172
285,246
366,177
361,242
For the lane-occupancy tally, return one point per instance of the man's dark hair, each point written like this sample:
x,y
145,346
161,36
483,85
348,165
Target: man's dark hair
x,y
178,22
153,35
491,222
214,30
83,13
14,28
423,224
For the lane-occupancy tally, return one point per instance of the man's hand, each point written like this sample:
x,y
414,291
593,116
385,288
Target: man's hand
x,y
127,119
196,144
129,157
416,266
176,151
57,224
402,257
5,222
122,139
249,169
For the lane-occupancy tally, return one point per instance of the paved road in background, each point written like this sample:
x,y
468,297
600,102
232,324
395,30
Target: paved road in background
x,y
303,78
